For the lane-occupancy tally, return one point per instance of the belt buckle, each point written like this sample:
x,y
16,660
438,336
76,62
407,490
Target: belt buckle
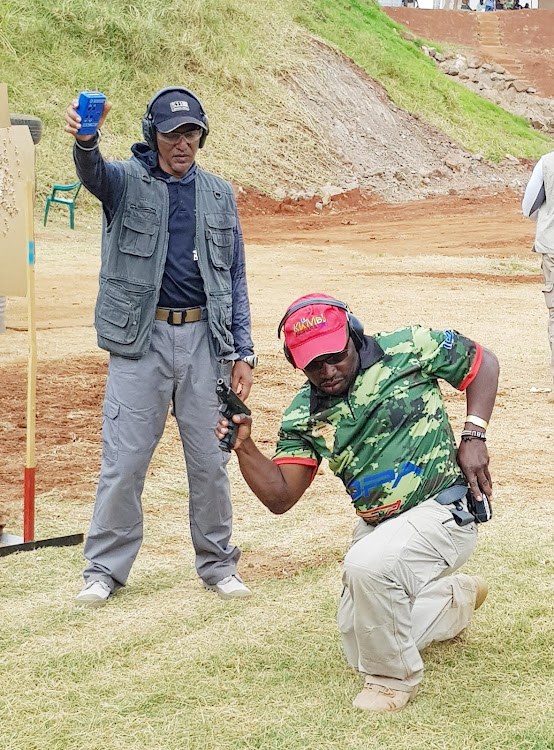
x,y
170,315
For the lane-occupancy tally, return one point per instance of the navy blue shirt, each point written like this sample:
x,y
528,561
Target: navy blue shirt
x,y
182,284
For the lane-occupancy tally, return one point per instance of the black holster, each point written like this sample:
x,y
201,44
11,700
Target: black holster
x,y
477,512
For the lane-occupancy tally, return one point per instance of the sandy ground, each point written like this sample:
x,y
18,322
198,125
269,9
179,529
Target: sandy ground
x,y
461,262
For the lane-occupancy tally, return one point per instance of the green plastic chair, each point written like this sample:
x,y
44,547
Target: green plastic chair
x,y
69,200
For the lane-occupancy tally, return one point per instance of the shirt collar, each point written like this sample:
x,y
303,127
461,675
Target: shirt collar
x,y
149,159
370,353
157,171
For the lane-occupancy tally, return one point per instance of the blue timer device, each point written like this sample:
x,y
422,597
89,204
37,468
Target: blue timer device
x,y
91,104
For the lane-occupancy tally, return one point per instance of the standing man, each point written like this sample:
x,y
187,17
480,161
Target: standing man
x,y
373,408
173,312
538,203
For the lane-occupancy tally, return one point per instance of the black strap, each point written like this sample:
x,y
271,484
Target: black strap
x,y
452,494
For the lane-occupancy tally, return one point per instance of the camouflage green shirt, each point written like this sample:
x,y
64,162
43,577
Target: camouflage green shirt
x,y
390,440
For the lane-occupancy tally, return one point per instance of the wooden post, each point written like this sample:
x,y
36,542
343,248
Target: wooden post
x,y
29,483
17,278
4,109
4,123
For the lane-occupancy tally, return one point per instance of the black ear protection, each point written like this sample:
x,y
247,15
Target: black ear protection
x,y
148,129
355,325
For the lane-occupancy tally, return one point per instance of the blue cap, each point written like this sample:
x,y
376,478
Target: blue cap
x,y
176,108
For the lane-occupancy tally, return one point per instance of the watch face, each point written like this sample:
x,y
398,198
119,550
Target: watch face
x,y
252,360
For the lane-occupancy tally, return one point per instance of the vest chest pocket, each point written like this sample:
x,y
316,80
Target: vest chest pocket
x,y
139,231
220,239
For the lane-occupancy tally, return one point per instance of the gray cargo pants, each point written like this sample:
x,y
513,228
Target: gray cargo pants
x,y
399,595
178,366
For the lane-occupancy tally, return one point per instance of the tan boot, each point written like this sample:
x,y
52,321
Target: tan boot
x,y
482,591
383,699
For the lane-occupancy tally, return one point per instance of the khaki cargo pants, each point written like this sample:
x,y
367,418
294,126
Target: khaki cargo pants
x,y
399,594
548,290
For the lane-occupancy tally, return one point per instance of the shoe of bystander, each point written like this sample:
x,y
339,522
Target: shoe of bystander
x,y
95,594
231,587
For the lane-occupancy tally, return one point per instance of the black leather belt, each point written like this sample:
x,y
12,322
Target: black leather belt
x,y
182,315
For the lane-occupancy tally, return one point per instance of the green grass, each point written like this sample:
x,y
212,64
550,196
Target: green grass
x,y
236,54
231,52
166,666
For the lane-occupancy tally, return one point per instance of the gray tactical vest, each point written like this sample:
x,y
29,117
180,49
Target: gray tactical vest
x,y
134,249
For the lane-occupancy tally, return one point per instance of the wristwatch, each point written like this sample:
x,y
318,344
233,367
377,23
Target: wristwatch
x,y
250,359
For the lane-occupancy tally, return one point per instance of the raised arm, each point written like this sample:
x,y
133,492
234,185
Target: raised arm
x,y
105,180
473,456
279,487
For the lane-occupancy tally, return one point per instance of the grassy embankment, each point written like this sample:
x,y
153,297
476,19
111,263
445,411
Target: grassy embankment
x,y
413,82
236,54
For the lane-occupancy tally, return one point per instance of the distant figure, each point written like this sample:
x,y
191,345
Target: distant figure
x,y
538,204
526,6
465,5
489,5
481,6
499,5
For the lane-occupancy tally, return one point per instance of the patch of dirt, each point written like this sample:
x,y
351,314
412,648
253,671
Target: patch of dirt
x,y
435,225
281,564
456,27
287,255
385,151
68,419
524,37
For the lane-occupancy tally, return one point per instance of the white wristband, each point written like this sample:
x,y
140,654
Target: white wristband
x,y
92,148
477,420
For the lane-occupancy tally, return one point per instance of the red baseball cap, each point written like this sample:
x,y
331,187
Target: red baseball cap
x,y
314,328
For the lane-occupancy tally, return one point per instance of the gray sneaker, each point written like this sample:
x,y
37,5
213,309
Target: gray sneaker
x,y
229,588
95,594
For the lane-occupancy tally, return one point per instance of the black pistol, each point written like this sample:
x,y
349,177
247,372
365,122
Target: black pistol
x,y
481,509
230,405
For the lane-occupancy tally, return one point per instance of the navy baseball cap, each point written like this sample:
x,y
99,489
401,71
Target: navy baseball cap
x,y
176,108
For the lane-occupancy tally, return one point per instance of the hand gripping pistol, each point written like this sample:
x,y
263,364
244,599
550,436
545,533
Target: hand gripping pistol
x,y
230,405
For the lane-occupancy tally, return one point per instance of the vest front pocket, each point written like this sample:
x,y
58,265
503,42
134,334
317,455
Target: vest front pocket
x,y
139,231
220,239
220,315
118,310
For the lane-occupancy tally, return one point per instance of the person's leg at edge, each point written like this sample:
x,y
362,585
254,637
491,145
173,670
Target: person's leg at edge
x,y
136,402
548,291
393,605
210,510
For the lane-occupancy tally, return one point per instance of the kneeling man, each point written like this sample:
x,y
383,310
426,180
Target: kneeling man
x,y
373,408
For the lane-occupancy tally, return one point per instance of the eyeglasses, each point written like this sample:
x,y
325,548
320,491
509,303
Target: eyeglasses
x,y
331,359
190,136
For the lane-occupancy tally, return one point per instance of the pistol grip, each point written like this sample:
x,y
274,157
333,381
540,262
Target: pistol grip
x,y
227,443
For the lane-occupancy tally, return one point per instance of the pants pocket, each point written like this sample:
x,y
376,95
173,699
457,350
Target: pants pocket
x,y
110,429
